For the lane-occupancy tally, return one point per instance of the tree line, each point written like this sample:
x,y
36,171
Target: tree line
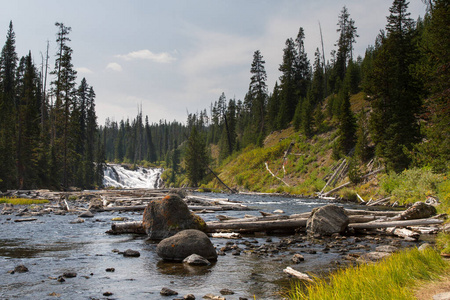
x,y
48,136
52,139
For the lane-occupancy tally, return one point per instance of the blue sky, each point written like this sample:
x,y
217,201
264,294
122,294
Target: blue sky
x,y
178,56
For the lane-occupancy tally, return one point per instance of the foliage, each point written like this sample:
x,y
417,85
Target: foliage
x,y
23,201
411,185
392,278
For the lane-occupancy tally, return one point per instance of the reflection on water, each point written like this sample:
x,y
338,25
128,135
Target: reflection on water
x,y
52,246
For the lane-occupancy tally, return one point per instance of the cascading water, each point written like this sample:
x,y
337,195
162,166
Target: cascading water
x,y
120,177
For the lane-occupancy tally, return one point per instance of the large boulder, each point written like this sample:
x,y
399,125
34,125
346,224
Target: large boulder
x,y
164,218
327,220
186,243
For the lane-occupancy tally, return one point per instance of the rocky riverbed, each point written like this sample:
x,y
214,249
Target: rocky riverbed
x,y
70,256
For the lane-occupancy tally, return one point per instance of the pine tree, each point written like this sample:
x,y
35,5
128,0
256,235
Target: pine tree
x,y
8,105
63,91
347,126
302,67
258,93
288,95
347,37
434,150
196,158
394,123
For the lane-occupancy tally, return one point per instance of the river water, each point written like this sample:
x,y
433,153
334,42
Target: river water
x,y
52,246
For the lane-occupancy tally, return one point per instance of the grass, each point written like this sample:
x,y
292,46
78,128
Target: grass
x,y
23,201
392,278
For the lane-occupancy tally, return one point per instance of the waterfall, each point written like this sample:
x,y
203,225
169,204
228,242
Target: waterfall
x,y
121,177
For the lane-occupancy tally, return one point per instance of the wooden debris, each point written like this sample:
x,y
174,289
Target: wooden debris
x,y
297,274
127,227
226,235
25,220
403,232
373,225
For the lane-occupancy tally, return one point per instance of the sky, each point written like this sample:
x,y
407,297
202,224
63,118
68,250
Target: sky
x,y
176,57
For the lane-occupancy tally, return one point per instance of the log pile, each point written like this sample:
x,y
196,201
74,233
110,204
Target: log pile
x,y
360,220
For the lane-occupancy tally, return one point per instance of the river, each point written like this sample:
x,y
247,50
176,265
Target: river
x,y
52,246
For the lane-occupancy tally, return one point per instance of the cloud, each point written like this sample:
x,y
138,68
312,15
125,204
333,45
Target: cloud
x,y
83,70
146,54
114,67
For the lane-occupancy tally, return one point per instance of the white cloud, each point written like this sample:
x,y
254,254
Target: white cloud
x,y
146,54
83,70
114,67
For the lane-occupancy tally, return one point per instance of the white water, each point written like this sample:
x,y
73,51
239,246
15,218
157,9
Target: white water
x,y
120,177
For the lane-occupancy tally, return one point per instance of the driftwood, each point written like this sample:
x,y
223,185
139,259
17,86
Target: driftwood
x,y
25,220
290,224
297,274
403,232
127,227
374,225
226,235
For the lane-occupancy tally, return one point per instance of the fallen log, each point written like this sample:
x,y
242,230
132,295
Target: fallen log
x,y
127,227
289,224
374,225
297,274
125,208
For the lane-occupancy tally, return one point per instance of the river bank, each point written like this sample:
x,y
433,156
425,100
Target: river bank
x,y
57,241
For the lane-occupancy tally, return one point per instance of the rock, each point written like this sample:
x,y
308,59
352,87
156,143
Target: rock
x,y
196,260
419,210
167,292
165,217
278,211
297,258
386,248
327,220
213,297
185,243
110,270
77,221
373,257
226,292
107,294
425,246
20,269
86,214
69,274
189,297
131,253
61,279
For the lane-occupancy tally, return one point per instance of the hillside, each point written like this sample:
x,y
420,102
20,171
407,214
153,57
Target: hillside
x,y
289,162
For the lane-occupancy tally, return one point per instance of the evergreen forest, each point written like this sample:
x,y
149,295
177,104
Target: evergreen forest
x,y
49,136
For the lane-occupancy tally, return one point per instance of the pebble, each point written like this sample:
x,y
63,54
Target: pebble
x,y
110,270
20,269
189,297
69,274
167,292
196,260
107,294
131,253
226,292
297,258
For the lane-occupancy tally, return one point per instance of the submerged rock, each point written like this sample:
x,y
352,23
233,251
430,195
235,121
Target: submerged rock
x,y
196,260
184,244
131,253
327,220
164,218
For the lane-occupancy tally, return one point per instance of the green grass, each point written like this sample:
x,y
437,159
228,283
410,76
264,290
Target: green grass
x,y
392,278
22,201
